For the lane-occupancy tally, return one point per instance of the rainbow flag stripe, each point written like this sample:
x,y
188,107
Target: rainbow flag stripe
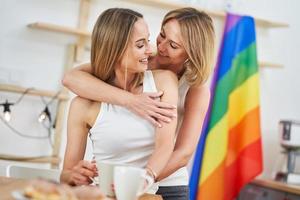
x,y
229,153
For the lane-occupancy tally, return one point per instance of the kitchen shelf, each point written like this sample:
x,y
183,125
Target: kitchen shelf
x,y
270,64
40,159
62,97
78,32
219,14
36,92
153,3
276,185
59,28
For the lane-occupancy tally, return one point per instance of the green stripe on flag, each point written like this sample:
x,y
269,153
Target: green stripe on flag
x,y
243,66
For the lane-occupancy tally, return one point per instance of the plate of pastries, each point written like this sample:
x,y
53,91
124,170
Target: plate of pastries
x,y
47,190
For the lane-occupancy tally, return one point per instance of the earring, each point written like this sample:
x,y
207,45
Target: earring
x,y
186,63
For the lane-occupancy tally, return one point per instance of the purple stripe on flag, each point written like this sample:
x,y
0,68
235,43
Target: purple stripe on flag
x,y
231,21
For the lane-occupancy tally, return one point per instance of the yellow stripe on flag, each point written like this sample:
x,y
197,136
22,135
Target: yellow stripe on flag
x,y
215,148
243,99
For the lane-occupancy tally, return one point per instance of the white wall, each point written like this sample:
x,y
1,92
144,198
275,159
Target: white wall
x,y
35,58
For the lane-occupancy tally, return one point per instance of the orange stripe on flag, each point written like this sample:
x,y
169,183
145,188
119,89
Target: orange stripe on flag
x,y
244,133
213,187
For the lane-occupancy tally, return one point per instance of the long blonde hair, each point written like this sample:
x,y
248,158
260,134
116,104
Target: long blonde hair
x,y
110,39
198,40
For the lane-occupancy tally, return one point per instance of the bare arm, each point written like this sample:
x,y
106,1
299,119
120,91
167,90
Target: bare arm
x,y
76,171
164,137
196,105
80,81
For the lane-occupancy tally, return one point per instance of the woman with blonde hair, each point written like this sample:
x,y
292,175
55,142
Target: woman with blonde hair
x,y
119,57
185,46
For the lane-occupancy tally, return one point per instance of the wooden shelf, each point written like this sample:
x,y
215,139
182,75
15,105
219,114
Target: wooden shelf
x,y
270,64
153,3
59,28
276,185
17,89
39,159
66,30
219,14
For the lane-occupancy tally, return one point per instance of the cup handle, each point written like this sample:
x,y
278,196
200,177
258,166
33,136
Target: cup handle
x,y
149,180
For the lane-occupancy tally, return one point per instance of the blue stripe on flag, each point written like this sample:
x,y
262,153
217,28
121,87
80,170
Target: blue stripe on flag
x,y
235,41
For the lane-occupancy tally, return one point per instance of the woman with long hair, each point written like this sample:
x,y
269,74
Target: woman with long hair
x,y
185,46
119,57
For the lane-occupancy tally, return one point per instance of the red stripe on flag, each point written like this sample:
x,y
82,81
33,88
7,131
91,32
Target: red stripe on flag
x,y
244,133
246,167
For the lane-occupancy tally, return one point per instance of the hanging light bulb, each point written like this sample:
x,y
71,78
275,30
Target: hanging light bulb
x,y
7,116
44,115
6,110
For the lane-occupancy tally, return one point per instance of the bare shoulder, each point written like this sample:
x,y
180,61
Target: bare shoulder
x,y
202,90
81,103
199,93
83,109
167,82
164,77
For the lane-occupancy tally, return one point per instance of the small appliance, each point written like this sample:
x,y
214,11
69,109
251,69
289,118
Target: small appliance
x,y
289,131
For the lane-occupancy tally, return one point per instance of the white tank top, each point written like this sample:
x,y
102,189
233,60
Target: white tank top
x,y
113,139
120,136
181,176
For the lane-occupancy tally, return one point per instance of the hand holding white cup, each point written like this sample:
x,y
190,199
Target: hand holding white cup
x,y
106,177
129,182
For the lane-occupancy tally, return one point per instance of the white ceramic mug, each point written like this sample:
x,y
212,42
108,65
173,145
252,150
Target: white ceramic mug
x,y
129,182
106,177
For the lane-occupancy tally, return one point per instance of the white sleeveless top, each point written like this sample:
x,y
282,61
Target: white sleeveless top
x,y
181,176
113,139
120,136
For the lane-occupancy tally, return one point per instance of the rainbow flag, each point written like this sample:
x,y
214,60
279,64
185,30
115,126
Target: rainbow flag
x,y
229,152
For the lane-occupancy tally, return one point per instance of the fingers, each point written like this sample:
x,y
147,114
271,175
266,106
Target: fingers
x,y
158,117
153,111
94,162
164,105
153,121
158,103
80,179
82,172
154,94
86,172
170,114
113,187
88,165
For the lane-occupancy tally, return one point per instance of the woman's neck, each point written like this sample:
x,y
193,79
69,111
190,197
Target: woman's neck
x,y
178,70
122,79
180,73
